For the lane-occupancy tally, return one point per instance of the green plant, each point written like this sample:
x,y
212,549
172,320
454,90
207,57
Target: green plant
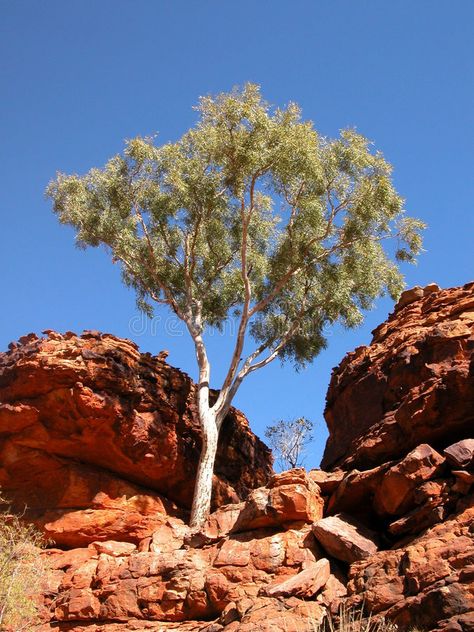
x,y
251,215
21,572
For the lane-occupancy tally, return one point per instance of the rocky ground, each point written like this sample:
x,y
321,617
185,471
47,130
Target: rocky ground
x,y
101,442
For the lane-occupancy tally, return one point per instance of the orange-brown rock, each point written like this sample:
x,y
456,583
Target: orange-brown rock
x,y
290,496
114,581
395,493
413,384
344,538
100,441
425,583
327,482
355,494
397,516
305,584
461,454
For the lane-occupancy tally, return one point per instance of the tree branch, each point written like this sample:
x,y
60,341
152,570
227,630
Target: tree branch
x,y
166,291
244,319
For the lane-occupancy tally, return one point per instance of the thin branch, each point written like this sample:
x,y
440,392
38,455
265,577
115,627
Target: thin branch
x,y
279,286
226,397
244,319
294,207
166,291
168,245
192,253
129,266
275,351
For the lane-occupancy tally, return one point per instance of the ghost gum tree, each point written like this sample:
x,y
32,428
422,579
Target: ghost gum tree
x,y
251,215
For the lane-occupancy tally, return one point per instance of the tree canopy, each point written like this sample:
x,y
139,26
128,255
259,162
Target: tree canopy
x,y
250,215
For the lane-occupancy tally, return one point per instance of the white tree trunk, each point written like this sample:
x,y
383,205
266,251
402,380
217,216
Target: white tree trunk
x,y
203,486
210,419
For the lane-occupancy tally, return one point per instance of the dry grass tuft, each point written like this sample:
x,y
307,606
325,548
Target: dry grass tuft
x,y
354,620
21,572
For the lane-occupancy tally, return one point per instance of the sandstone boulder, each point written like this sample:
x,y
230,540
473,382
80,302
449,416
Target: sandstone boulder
x,y
413,384
275,557
425,582
291,496
307,583
117,582
344,538
395,492
327,482
461,454
98,439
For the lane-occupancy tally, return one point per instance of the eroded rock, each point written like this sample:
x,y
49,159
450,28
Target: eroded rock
x,y
100,441
413,384
344,538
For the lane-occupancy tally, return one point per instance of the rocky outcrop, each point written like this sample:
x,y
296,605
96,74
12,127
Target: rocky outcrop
x,y
177,576
394,535
427,583
101,442
275,554
413,384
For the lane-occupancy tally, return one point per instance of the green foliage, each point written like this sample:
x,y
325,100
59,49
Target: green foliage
x,y
289,438
21,572
251,212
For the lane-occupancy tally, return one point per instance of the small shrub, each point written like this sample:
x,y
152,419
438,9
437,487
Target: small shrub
x,y
354,620
21,571
289,439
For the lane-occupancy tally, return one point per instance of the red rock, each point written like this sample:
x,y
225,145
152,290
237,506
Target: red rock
x,y
283,502
233,553
296,502
94,435
168,537
221,522
345,539
467,477
395,493
354,495
115,549
307,583
460,454
80,604
180,584
328,482
419,583
429,491
409,296
248,570
413,384
333,592
270,615
419,519
130,519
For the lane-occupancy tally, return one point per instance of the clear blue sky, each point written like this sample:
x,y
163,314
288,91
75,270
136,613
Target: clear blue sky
x,y
78,77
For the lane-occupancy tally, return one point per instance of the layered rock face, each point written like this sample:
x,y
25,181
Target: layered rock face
x,y
412,384
288,555
248,558
395,536
100,441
